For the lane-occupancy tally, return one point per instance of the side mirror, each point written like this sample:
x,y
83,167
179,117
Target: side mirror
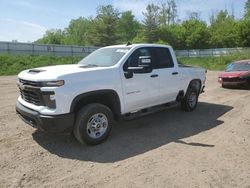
x,y
144,65
144,61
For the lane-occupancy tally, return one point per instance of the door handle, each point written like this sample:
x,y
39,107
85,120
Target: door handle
x,y
154,75
174,73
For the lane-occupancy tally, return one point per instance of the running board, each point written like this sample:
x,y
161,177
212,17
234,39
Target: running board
x,y
147,111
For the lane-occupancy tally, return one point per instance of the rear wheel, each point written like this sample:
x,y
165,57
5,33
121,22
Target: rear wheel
x,y
190,100
93,124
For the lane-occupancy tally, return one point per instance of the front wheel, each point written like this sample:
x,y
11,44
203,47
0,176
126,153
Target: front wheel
x,y
93,124
190,101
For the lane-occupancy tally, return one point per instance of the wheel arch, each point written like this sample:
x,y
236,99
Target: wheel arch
x,y
109,98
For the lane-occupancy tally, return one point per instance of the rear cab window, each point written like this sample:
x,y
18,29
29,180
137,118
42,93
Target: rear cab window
x,y
162,58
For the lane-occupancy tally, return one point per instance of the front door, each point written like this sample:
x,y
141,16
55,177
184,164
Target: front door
x,y
142,89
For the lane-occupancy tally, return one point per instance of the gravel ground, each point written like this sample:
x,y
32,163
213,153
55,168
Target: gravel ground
x,y
209,147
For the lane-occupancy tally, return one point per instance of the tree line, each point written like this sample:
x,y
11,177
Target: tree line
x,y
160,24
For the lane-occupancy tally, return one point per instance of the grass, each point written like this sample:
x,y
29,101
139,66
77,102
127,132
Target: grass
x,y
213,63
13,64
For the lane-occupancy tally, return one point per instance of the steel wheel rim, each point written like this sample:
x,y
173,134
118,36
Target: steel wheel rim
x,y
192,100
97,125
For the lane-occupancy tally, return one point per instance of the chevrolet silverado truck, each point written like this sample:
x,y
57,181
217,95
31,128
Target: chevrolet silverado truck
x,y
111,83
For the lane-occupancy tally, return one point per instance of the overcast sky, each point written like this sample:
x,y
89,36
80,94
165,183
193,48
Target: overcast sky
x,y
27,20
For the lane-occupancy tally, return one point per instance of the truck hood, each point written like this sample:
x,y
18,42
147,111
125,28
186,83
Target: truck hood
x,y
233,74
54,72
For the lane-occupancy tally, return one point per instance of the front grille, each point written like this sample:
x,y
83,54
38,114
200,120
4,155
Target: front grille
x,y
30,96
231,79
30,92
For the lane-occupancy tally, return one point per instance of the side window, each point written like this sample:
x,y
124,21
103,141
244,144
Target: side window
x,y
132,61
163,58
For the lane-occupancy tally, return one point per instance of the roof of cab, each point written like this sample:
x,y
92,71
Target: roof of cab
x,y
137,45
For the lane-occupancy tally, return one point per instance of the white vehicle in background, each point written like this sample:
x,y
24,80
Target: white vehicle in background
x,y
111,83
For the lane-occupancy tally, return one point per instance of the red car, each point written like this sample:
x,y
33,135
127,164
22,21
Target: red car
x,y
236,74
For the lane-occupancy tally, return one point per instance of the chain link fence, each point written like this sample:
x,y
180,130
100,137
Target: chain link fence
x,y
211,52
41,49
81,51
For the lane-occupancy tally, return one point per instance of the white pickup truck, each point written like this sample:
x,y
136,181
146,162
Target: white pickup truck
x,y
111,83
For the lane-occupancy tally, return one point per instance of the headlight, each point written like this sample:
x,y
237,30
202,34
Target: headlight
x,y
57,83
220,79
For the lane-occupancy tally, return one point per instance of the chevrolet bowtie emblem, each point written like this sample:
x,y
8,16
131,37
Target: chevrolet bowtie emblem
x,y
21,86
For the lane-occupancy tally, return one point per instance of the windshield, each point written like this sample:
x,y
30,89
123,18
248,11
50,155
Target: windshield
x,y
104,57
244,66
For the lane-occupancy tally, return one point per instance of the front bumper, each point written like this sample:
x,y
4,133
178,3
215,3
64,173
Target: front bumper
x,y
244,82
57,124
232,81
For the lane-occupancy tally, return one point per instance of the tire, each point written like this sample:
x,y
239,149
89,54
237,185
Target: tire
x,y
190,100
93,124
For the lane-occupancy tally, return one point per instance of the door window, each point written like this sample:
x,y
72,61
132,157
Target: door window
x,y
163,58
132,61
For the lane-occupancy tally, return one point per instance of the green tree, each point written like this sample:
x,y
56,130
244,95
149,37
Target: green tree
x,y
223,31
173,11
77,32
168,13
194,16
172,35
164,14
53,36
151,23
140,37
164,35
159,25
247,10
104,26
195,33
244,33
127,27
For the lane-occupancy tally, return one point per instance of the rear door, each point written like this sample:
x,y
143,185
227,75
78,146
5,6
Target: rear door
x,y
168,74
